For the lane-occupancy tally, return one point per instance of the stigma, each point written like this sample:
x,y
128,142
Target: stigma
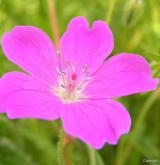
x,y
71,83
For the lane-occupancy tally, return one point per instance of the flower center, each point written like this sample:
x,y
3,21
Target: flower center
x,y
71,83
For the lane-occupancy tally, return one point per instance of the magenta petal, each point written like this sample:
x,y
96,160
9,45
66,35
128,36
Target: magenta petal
x,y
122,75
2,107
96,122
26,97
83,45
2,101
31,49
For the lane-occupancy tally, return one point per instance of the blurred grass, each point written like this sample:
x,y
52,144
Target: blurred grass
x,y
136,28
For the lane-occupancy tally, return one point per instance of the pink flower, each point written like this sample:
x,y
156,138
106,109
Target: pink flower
x,y
79,87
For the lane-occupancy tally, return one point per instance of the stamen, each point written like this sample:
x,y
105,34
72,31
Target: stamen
x,y
71,84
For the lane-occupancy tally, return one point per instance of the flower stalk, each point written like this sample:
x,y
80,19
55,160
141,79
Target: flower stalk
x,y
92,156
61,147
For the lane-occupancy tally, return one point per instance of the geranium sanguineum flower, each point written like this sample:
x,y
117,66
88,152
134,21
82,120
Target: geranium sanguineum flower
x,y
78,87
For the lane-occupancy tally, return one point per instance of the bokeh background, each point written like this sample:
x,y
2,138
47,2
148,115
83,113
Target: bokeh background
x,y
136,28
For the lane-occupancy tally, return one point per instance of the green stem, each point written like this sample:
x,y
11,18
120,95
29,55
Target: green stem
x,y
61,147
92,156
110,11
128,147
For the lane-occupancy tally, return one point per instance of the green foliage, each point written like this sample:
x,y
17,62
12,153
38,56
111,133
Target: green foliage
x,y
136,28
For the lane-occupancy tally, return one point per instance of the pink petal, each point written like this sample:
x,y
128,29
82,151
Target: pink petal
x,y
96,122
82,45
32,50
122,75
2,108
26,97
2,99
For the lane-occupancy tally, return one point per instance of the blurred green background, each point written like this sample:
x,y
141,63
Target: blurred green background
x,y
136,28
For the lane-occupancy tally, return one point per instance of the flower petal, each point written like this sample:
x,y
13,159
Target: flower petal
x,y
96,122
31,49
82,45
26,97
122,75
2,98
2,108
